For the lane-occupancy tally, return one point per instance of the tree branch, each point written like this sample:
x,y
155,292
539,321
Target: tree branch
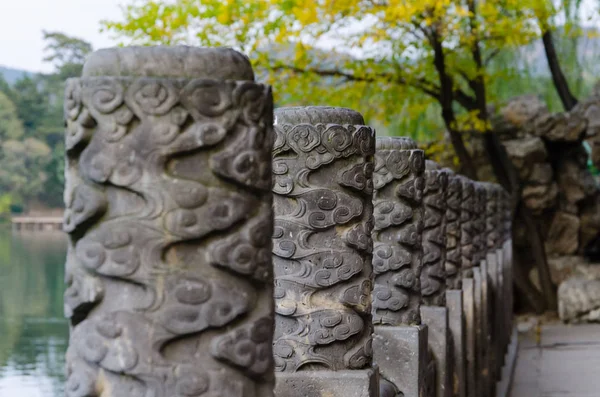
x,y
421,84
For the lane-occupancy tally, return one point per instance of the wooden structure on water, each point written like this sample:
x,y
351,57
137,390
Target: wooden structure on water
x,y
37,223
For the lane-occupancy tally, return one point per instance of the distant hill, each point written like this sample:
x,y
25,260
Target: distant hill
x,y
12,75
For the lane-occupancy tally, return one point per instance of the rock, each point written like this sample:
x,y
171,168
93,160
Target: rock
x,y
589,219
565,127
539,197
589,271
541,174
591,112
570,181
594,142
563,236
579,300
524,153
522,111
561,268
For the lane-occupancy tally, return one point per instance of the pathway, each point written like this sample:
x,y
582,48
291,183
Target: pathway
x,y
557,360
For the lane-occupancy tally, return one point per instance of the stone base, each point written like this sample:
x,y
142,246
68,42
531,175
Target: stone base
x,y
436,320
480,276
503,387
351,383
401,355
470,338
495,311
454,303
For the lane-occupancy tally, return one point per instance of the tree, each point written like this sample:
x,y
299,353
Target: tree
x,y
32,127
11,126
437,51
67,53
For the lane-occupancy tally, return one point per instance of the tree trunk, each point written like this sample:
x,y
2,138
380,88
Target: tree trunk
x,y
560,82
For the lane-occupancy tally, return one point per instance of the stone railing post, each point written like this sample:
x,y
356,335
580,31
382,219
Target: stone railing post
x,y
434,313
168,209
468,286
507,273
492,275
400,341
481,288
454,295
322,251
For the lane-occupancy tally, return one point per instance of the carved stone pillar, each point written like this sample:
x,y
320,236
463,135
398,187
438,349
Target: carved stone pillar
x,y
453,232
454,295
168,210
434,313
492,259
507,269
400,342
500,291
482,290
322,251
468,286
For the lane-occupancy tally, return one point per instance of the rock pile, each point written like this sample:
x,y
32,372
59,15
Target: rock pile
x,y
547,150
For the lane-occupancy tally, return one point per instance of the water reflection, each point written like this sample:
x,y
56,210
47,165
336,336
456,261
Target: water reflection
x,y
33,333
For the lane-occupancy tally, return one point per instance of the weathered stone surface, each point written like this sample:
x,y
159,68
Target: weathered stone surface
x,y
520,114
560,127
590,271
322,170
357,383
436,319
154,167
397,259
589,219
454,303
493,193
467,219
402,357
561,268
453,247
563,236
479,332
589,109
541,174
470,337
169,62
400,348
433,274
540,197
579,300
524,153
574,181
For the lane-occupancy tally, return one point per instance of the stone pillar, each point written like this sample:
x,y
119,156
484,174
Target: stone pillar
x,y
322,251
492,275
507,270
168,210
481,287
400,341
468,286
434,313
454,295
500,292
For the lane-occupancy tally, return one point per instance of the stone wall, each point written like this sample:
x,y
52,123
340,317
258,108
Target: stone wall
x,y
548,152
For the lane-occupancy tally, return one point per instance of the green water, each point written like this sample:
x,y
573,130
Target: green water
x,y
33,332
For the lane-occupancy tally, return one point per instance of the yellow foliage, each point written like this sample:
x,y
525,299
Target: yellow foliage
x,y
392,43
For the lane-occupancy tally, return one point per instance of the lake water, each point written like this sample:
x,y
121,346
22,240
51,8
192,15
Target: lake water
x,y
33,332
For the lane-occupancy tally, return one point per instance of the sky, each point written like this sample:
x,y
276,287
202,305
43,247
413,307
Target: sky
x,y
22,22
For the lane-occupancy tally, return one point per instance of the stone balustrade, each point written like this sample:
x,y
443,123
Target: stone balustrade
x,y
220,248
